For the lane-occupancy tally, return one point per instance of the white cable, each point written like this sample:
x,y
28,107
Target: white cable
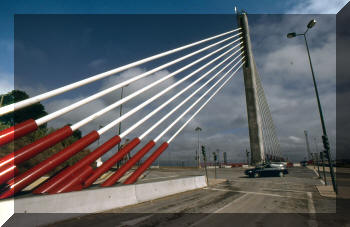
x,y
190,96
125,99
38,98
124,116
73,106
187,110
184,125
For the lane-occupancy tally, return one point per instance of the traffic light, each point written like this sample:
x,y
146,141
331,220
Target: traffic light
x,y
215,157
203,152
325,142
325,154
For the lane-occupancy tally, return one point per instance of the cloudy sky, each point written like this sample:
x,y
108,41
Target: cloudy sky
x,y
54,50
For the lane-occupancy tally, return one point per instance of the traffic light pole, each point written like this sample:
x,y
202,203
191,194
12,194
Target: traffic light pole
x,y
205,164
318,165
324,172
215,158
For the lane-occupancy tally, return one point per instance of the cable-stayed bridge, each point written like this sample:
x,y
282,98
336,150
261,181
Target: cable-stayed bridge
x,y
225,55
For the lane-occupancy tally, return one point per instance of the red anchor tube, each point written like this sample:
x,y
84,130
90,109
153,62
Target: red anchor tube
x,y
7,172
17,131
18,183
111,162
36,147
147,163
120,172
71,184
87,160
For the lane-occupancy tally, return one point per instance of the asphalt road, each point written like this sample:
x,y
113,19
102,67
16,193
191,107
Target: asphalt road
x,y
292,200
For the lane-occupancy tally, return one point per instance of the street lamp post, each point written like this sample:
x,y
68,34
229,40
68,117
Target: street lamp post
x,y
120,123
99,160
324,136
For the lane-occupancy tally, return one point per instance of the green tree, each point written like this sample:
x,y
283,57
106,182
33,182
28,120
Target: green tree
x,y
39,133
34,111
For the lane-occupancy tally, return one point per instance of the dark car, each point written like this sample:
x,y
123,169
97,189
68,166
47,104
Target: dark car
x,y
303,163
266,170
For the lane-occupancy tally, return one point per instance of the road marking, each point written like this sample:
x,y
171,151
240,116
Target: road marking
x,y
274,189
322,182
312,220
311,203
265,181
255,193
158,178
227,205
134,221
218,210
284,190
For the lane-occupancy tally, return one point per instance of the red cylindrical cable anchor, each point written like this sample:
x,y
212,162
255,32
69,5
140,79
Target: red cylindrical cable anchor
x,y
87,160
7,172
147,163
111,162
17,131
70,184
76,187
18,183
38,146
120,172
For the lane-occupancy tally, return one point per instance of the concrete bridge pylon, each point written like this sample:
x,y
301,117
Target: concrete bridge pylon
x,y
250,82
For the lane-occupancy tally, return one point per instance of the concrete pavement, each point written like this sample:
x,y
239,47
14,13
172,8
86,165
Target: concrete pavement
x,y
284,201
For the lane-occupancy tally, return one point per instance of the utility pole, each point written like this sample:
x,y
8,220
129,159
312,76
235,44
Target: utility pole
x,y
307,145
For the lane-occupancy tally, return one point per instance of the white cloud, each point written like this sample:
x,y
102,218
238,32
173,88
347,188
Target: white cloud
x,y
6,83
97,63
295,139
318,6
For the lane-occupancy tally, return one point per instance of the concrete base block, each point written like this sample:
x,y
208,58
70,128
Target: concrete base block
x,y
74,204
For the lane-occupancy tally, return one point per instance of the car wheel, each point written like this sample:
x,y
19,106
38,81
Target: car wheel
x,y
256,175
281,174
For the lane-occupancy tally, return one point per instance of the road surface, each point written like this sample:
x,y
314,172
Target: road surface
x,y
292,200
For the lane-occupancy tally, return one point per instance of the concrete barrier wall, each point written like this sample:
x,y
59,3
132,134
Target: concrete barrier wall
x,y
101,199
154,190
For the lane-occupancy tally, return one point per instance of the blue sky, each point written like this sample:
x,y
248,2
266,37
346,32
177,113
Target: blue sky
x,y
8,8
73,47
